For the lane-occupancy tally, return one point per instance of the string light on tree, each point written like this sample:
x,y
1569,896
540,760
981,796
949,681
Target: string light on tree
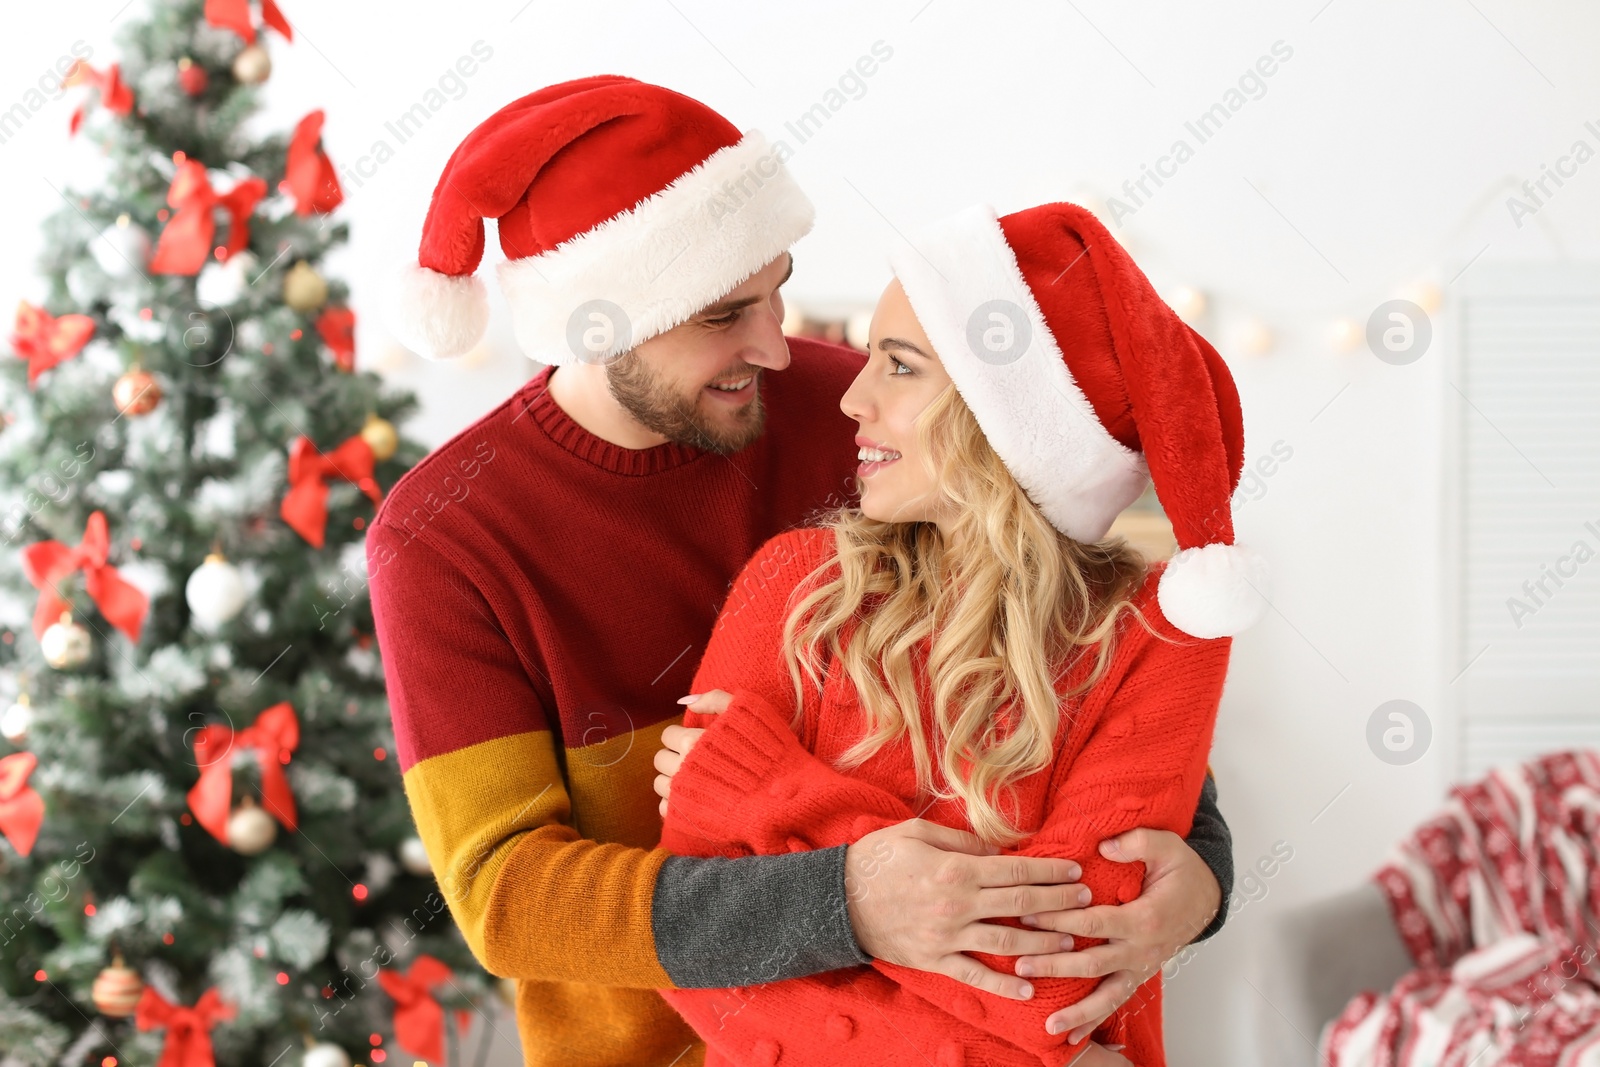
x,y
215,592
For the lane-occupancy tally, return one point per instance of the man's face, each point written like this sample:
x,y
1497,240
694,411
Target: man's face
x,y
670,383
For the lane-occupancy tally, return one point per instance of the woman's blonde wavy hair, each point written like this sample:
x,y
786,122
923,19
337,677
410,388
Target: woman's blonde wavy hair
x,y
1009,609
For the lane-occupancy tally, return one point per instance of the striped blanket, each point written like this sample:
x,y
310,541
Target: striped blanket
x,y
1498,902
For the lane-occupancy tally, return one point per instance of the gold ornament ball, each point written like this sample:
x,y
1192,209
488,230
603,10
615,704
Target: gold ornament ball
x,y
65,644
252,65
136,393
117,990
380,436
250,830
303,288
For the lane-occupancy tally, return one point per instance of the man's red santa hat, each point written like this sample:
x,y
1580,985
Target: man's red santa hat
x,y
611,196
1088,385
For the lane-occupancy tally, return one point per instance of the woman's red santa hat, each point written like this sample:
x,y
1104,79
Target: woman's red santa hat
x,y
1088,385
609,194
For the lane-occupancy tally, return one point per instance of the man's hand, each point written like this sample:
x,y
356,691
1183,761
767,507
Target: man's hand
x,y
1179,899
919,892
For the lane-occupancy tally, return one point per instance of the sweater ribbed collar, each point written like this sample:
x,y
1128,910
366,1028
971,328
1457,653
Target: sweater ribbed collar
x,y
542,409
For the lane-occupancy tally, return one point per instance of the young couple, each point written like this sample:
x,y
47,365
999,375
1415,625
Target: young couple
x,y
926,807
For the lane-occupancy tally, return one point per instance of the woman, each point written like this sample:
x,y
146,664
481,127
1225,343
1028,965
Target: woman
x,y
965,645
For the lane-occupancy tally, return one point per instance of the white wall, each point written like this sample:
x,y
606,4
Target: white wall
x,y
1380,153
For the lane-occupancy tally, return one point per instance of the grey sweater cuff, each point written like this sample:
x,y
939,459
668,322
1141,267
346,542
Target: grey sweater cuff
x,y
722,922
1213,842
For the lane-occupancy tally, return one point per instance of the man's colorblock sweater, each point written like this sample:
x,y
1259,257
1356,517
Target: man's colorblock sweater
x,y
542,598
1131,752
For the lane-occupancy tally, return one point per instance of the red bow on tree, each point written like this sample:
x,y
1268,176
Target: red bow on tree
x,y
308,172
21,807
274,734
338,329
45,340
47,563
418,1017
235,15
188,1041
114,94
305,505
186,241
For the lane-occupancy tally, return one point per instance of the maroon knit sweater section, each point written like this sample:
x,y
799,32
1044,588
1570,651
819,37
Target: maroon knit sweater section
x,y
1130,752
566,524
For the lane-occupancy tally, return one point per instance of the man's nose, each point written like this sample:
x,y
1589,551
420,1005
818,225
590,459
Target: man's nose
x,y
768,349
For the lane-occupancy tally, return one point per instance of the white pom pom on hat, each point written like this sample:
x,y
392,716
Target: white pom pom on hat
x,y
1214,590
440,316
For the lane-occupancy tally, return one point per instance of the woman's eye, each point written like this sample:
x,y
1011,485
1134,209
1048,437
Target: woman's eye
x,y
898,367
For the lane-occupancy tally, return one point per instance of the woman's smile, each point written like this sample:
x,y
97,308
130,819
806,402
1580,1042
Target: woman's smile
x,y
874,456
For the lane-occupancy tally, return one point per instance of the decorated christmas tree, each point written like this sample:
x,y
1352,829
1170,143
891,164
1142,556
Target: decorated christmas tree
x,y
205,850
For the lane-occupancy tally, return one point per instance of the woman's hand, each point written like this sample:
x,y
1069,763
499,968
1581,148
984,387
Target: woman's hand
x,y
676,741
1179,899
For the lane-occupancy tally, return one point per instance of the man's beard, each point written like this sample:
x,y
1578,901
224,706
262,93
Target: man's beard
x,y
649,399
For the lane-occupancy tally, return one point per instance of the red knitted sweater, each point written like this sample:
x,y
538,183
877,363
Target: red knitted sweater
x,y
1132,753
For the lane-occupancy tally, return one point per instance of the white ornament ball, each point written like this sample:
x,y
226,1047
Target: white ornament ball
x,y
215,592
17,720
414,857
251,830
221,284
325,1054
122,248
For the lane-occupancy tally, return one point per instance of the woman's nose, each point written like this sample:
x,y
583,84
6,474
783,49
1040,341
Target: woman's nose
x,y
856,402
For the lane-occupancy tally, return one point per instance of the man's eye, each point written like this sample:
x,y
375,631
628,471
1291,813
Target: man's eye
x,y
725,320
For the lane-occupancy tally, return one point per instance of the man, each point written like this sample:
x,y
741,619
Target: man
x,y
545,581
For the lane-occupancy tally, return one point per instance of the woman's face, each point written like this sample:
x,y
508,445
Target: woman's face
x,y
902,376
